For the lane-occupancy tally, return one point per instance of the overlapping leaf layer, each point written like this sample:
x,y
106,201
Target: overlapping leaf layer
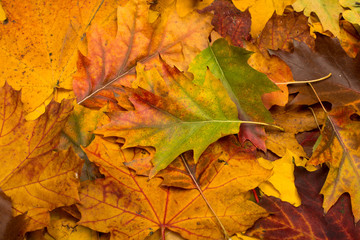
x,y
139,119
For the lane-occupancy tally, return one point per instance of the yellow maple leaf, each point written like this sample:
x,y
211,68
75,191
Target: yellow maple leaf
x,y
183,7
35,177
39,45
64,227
328,12
352,14
281,183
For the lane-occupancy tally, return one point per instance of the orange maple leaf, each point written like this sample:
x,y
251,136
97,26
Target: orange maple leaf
x,y
133,207
35,177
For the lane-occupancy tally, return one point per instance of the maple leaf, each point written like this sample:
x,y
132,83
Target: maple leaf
x,y
133,207
308,220
243,84
279,33
342,89
294,120
33,175
225,151
230,21
283,169
111,61
78,129
261,11
78,132
339,148
350,40
63,226
175,117
352,15
276,70
184,7
47,38
328,12
281,30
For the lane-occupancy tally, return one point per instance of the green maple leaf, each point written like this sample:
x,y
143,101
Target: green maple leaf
x,y
174,115
244,84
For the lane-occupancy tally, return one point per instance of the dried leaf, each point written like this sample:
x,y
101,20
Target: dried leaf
x,y
177,116
281,183
276,70
111,61
328,12
306,221
278,33
230,21
2,14
293,120
226,151
184,7
342,89
78,130
281,30
261,11
350,40
244,85
64,227
33,175
133,207
39,45
353,13
11,228
339,148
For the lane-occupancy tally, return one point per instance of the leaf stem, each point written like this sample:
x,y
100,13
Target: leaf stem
x,y
314,115
226,235
346,152
263,124
307,81
317,96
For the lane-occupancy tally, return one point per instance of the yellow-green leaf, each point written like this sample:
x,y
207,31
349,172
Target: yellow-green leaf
x,y
174,115
328,12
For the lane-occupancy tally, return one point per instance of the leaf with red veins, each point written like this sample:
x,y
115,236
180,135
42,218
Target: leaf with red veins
x,y
173,115
132,207
230,21
226,151
111,61
308,220
32,174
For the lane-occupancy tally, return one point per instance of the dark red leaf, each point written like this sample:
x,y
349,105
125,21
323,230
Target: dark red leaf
x,y
307,221
230,21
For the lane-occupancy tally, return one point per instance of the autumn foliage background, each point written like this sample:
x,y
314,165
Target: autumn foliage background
x,y
104,104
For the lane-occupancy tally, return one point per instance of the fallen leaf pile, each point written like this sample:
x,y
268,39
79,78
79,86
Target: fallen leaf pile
x,y
169,119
